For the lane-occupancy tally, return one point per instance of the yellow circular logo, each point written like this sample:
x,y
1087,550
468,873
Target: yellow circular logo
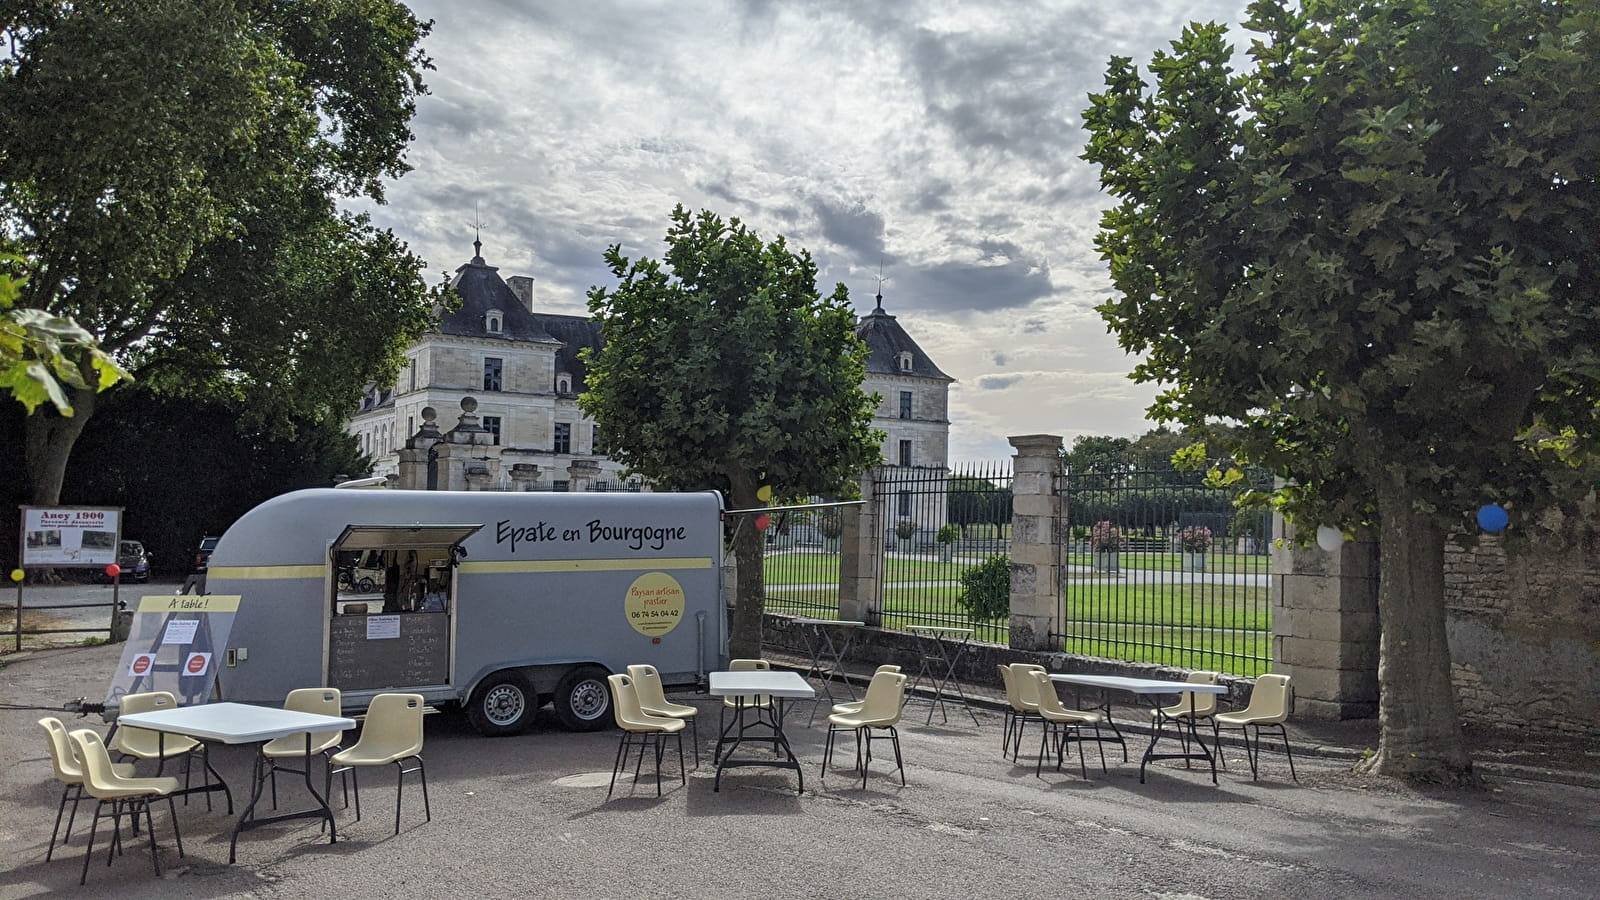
x,y
654,604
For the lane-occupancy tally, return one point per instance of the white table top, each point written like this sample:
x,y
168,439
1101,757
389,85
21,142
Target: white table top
x,y
827,622
750,684
1139,685
946,629
235,723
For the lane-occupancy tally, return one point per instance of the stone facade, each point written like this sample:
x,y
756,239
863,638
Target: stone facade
x,y
1525,636
519,370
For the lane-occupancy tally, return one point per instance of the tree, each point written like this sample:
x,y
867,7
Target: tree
x,y
168,175
39,353
732,373
1374,253
977,501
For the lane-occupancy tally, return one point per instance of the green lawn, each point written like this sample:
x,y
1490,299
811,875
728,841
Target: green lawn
x,y
1176,623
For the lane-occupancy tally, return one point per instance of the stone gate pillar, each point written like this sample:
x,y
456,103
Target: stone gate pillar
x,y
1035,541
1325,625
860,552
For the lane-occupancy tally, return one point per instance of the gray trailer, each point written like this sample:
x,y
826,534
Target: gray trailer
x,y
497,601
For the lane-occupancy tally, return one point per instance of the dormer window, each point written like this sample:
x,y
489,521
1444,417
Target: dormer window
x,y
905,360
491,321
563,383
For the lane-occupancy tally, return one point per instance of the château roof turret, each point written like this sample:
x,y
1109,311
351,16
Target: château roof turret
x,y
482,289
886,341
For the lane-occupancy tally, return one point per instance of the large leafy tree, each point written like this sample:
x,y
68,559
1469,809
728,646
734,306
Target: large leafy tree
x,y
733,372
1374,250
168,175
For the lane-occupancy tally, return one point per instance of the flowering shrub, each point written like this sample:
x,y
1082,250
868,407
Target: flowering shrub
x,y
1105,537
1195,539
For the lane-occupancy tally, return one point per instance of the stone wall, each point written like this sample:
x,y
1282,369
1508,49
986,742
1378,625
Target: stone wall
x,y
1525,637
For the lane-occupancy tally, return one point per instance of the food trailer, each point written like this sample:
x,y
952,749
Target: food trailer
x,y
496,601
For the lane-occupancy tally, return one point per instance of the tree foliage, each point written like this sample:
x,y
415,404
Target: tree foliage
x,y
977,501
730,373
169,173
986,589
1373,253
42,356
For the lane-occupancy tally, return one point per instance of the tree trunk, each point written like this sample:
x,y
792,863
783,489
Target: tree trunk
x,y
1420,736
49,437
750,597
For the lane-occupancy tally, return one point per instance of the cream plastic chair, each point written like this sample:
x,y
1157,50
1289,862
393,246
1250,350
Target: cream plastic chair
x,y
1058,720
647,729
760,703
1022,694
69,771
391,735
1205,707
653,701
142,743
880,710
127,796
855,707
1268,708
324,701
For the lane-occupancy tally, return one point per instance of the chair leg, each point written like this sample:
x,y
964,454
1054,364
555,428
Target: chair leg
x,y
694,723
683,777
150,825
88,850
616,764
60,810
894,738
172,809
860,762
827,749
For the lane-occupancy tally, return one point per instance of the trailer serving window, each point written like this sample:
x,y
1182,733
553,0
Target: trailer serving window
x,y
392,603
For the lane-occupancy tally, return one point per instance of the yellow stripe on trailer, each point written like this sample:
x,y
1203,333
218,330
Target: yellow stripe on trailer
x,y
257,573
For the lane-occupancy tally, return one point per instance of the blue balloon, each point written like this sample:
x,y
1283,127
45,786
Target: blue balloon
x,y
1493,518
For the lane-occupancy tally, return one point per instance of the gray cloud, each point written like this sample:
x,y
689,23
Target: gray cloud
x,y
1000,359
854,228
997,382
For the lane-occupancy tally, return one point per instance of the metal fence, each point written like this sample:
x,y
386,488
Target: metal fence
x,y
937,526
1160,567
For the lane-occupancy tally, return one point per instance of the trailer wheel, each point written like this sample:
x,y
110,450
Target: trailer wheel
x,y
583,699
502,705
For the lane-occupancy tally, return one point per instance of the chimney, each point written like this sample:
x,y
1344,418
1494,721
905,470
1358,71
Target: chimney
x,y
522,286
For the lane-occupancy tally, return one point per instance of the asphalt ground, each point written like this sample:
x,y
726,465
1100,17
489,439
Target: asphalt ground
x,y
529,815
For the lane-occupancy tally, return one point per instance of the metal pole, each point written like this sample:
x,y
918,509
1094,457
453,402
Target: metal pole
x,y
19,614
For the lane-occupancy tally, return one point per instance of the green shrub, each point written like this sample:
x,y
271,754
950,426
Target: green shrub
x,y
986,589
948,533
905,529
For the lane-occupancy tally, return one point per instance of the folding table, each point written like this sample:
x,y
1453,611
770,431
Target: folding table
x,y
742,686
827,656
241,723
1150,687
950,645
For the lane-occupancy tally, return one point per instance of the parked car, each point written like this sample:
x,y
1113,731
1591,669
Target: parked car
x,y
202,557
133,559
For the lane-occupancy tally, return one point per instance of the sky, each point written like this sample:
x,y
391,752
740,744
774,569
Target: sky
x,y
933,144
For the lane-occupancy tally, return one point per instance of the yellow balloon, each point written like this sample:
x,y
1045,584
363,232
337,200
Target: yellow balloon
x,y
764,493
16,574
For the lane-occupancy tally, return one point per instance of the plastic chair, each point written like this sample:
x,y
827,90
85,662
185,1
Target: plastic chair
x,y
1268,708
1058,720
1205,707
129,796
653,701
322,701
880,710
1022,694
69,771
142,743
855,706
646,728
391,735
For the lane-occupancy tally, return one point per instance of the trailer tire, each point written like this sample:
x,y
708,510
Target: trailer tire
x,y
503,704
583,699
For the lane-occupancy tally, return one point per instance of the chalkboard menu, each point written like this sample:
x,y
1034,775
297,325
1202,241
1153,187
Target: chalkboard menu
x,y
390,651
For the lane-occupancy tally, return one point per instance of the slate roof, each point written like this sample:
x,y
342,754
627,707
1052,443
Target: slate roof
x,y
574,333
885,341
482,289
